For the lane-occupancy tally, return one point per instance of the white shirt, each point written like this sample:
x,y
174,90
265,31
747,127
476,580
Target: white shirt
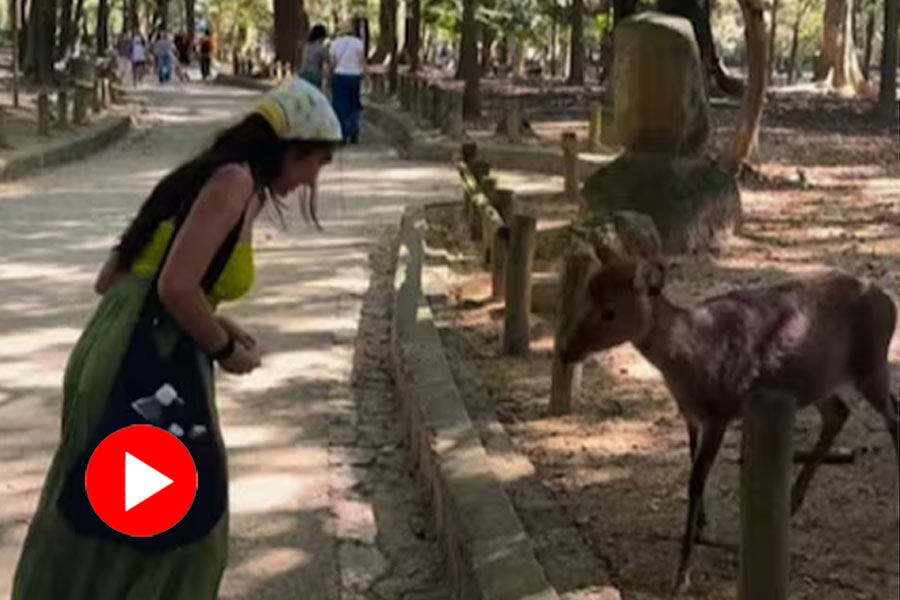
x,y
348,55
138,51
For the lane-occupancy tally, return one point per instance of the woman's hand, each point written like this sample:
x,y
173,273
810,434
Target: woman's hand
x,y
243,360
237,332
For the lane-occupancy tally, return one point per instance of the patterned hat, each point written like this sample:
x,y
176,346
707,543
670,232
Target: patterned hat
x,y
299,110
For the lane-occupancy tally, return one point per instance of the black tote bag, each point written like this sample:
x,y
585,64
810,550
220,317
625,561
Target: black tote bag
x,y
160,382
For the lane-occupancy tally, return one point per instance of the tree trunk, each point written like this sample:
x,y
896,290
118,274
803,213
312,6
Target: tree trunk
x,y
102,27
387,30
887,93
870,36
576,72
837,60
554,43
407,27
772,66
519,59
41,41
68,29
133,18
468,61
488,35
23,32
792,60
161,14
81,23
745,135
621,9
414,42
291,26
190,20
698,13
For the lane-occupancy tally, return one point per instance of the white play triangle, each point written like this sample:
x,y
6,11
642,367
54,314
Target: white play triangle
x,y
141,481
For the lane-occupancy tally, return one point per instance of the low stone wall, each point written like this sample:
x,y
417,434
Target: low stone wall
x,y
414,144
91,139
489,555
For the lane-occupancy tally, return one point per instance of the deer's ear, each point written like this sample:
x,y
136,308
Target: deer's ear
x,y
650,276
606,253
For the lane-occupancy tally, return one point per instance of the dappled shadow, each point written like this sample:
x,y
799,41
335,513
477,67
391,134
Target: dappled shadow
x,y
609,481
55,230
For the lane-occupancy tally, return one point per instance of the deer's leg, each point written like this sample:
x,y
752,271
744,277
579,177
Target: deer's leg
x,y
693,435
876,389
834,414
710,439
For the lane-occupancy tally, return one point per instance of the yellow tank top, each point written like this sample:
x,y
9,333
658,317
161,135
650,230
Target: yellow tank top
x,y
236,278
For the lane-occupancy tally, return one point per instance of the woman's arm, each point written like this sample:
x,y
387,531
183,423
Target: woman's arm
x,y
215,212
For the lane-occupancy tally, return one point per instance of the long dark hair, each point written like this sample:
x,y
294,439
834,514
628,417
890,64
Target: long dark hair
x,y
317,33
252,142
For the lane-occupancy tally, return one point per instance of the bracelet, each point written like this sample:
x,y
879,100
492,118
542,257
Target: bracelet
x,y
225,351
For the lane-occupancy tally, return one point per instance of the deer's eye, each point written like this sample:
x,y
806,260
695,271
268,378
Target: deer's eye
x,y
607,314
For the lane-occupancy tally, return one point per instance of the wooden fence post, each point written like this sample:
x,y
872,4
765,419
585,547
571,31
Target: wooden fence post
x,y
469,151
481,169
499,254
489,187
565,381
416,91
512,122
402,93
43,106
80,106
62,109
4,140
425,101
594,119
570,165
767,448
95,95
104,92
453,117
490,223
517,321
436,108
505,201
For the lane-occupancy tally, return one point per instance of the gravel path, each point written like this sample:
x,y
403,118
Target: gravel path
x,y
323,502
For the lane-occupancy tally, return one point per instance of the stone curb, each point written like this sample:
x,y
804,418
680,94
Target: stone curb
x,y
412,143
92,139
489,555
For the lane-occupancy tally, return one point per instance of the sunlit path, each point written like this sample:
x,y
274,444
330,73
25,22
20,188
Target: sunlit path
x,y
54,232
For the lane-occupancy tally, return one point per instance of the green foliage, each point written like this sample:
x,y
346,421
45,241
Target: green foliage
x,y
520,20
444,17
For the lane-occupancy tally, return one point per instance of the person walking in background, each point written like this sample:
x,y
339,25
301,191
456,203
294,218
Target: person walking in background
x,y
123,57
163,51
183,50
348,63
315,55
138,57
206,50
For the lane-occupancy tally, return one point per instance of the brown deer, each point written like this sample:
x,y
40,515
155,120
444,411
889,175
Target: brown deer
x,y
808,337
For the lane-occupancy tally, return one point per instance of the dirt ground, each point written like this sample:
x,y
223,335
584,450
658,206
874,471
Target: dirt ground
x,y
613,475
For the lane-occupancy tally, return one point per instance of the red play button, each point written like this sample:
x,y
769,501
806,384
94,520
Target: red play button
x,y
141,480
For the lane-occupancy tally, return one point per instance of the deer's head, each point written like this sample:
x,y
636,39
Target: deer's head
x,y
616,304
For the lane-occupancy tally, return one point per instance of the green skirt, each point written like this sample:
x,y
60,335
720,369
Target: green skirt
x,y
56,563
